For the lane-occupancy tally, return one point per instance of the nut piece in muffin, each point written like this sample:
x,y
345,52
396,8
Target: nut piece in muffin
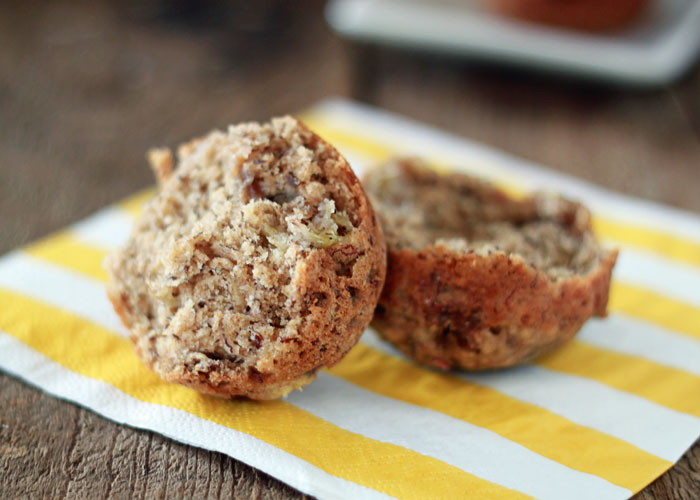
x,y
258,262
477,279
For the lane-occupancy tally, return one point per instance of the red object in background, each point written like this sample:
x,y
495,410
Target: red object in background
x,y
588,15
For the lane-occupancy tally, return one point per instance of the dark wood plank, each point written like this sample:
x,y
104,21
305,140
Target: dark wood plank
x,y
51,449
87,87
685,95
682,482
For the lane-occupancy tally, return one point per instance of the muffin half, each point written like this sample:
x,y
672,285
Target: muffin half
x,y
258,262
477,279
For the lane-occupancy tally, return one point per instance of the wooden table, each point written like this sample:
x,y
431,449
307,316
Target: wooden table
x,y
86,87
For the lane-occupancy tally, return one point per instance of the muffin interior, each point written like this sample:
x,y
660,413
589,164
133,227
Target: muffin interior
x,y
420,208
213,275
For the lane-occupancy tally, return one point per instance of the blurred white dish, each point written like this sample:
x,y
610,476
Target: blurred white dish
x,y
654,50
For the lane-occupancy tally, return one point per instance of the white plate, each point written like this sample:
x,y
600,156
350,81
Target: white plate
x,y
655,50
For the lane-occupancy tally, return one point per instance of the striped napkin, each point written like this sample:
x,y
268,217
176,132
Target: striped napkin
x,y
600,418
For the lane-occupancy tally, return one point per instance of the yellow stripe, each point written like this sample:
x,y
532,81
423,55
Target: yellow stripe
x,y
134,203
664,385
63,249
657,241
651,239
354,142
541,431
92,351
653,307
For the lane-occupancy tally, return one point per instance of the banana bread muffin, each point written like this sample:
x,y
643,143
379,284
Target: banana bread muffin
x,y
479,280
585,15
258,262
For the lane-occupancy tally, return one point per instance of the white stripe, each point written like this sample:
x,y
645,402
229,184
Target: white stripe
x,y
674,279
413,137
631,336
109,228
661,431
471,448
106,400
60,287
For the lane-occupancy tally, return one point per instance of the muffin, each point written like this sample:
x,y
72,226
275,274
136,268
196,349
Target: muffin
x,y
477,279
586,15
258,262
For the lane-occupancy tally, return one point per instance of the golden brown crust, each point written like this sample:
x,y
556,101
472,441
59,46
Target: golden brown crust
x,y
480,312
466,307
252,293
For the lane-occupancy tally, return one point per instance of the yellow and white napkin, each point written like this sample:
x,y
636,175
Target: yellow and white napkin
x,y
600,418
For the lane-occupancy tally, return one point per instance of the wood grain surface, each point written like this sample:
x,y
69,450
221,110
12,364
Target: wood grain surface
x,y
87,87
